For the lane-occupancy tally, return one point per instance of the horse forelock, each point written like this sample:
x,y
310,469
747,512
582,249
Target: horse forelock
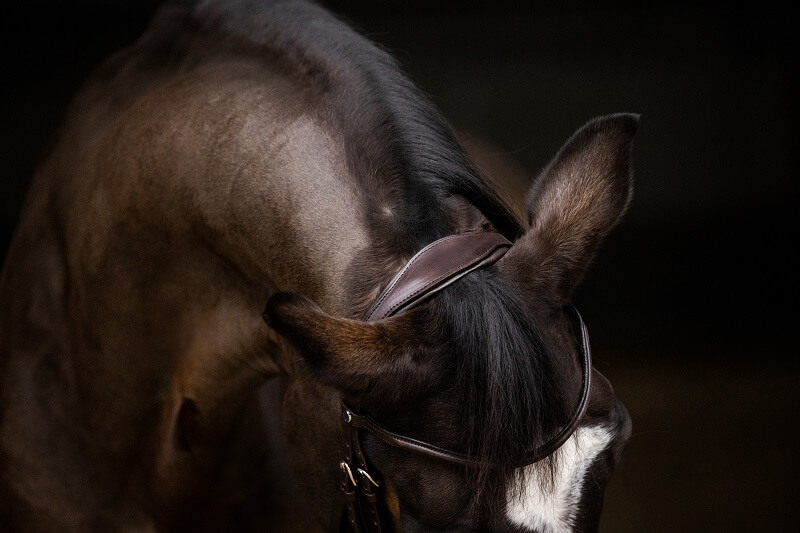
x,y
510,392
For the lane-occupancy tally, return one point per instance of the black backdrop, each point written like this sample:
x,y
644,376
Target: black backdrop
x,y
689,303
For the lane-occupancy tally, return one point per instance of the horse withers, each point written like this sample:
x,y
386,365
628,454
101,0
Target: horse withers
x,y
243,153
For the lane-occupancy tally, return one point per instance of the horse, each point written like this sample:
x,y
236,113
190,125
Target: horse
x,y
183,337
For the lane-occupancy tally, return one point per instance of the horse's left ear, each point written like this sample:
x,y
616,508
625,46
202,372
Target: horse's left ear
x,y
571,207
351,355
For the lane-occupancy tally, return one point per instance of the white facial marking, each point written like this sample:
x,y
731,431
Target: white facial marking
x,y
553,510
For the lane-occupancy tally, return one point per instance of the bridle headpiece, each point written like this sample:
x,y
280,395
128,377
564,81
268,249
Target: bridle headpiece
x,y
433,268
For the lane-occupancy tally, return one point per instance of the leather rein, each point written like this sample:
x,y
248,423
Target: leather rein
x,y
433,268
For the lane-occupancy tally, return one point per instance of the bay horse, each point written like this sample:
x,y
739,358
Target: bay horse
x,y
247,152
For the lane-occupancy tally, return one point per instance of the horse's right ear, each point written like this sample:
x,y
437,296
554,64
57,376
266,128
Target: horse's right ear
x,y
351,355
572,205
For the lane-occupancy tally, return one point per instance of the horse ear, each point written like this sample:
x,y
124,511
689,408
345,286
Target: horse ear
x,y
573,204
351,355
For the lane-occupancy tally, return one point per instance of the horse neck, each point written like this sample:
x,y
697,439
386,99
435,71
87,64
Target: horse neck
x,y
175,231
177,210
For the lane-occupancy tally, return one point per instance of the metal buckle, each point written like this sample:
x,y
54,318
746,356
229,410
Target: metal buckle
x,y
349,473
365,474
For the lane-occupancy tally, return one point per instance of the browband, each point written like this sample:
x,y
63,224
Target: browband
x,y
435,267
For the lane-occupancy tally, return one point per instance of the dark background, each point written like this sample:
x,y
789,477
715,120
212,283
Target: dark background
x,y
690,301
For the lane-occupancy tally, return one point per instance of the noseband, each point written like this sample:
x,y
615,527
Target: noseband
x,y
433,268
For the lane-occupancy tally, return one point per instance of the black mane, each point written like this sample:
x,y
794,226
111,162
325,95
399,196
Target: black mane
x,y
398,146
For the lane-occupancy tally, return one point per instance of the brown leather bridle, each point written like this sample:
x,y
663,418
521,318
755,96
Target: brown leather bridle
x,y
434,267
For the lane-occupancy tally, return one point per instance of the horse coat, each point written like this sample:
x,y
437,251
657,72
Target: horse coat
x,y
237,150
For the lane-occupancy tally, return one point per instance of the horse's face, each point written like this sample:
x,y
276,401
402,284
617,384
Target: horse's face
x,y
491,366
416,399
561,493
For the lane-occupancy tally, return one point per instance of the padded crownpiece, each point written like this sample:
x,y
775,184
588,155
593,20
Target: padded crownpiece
x,y
435,267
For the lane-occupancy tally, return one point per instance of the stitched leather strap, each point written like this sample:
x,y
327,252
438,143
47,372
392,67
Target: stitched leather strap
x,y
348,484
358,485
435,267
369,500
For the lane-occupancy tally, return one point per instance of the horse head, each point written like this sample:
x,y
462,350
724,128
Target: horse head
x,y
490,366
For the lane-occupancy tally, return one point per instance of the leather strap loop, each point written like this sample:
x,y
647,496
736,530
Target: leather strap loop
x,y
360,498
